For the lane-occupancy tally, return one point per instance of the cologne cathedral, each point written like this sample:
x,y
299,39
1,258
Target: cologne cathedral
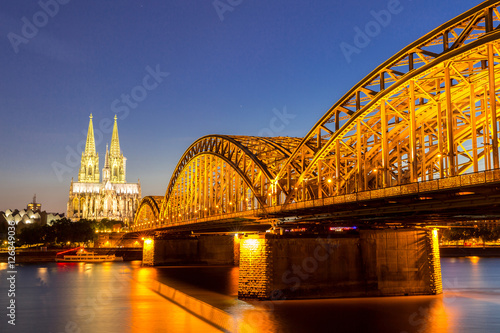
x,y
112,198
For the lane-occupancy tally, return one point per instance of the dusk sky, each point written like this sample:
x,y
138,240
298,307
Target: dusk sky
x,y
219,67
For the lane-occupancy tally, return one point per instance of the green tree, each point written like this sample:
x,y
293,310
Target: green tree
x,y
456,234
82,231
487,234
31,234
49,234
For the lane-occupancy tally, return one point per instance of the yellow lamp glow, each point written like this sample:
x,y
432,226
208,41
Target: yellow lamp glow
x,y
251,245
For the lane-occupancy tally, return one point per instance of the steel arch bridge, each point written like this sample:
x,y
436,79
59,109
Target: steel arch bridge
x,y
428,113
149,209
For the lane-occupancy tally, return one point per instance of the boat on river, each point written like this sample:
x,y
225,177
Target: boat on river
x,y
82,255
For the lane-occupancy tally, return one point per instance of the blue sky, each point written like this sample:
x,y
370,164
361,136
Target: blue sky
x,y
231,64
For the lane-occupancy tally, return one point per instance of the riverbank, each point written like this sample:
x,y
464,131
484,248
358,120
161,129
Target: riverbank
x,y
49,255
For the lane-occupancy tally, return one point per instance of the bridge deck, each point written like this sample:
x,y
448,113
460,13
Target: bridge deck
x,y
466,195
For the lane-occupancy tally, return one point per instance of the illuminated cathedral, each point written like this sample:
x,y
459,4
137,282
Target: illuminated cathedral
x,y
112,198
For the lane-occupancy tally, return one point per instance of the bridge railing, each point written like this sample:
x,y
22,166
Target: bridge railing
x,y
428,186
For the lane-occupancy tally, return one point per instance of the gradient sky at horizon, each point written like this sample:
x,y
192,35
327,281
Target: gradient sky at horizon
x,y
227,76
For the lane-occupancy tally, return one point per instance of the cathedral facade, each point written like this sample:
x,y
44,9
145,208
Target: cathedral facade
x,y
112,198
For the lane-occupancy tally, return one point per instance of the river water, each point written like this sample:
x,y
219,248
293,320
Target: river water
x,y
113,297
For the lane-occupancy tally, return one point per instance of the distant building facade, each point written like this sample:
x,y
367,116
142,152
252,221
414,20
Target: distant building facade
x,y
34,206
112,198
32,214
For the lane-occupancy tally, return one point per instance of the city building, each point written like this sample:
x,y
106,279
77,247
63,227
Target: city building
x,y
112,198
34,206
32,214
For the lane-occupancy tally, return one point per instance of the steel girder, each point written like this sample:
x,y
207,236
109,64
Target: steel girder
x,y
410,119
221,174
148,210
428,112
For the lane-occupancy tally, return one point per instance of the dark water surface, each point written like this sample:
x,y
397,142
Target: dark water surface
x,y
110,297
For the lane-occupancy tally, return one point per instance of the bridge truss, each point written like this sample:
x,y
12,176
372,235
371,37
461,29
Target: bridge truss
x,y
429,112
224,174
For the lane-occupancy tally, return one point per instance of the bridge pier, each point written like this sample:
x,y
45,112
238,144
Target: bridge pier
x,y
201,249
372,263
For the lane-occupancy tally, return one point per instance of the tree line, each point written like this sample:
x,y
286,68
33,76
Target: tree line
x,y
482,233
63,231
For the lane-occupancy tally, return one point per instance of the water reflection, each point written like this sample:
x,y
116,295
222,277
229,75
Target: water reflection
x,y
106,266
474,260
145,274
395,314
459,309
151,312
436,318
256,318
114,298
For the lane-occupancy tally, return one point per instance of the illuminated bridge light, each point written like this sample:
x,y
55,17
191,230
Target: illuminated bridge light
x,y
367,141
250,245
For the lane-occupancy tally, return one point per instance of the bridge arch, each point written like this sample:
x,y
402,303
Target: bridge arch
x,y
148,211
220,174
428,112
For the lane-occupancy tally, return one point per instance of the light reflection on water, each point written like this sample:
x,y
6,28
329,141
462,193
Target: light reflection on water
x,y
152,313
470,303
79,297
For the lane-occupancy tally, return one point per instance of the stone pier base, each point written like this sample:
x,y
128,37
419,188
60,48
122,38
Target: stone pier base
x,y
204,249
373,263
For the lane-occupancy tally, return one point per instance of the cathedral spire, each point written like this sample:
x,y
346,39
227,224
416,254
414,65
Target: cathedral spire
x,y
106,172
89,168
115,141
106,159
113,198
90,145
117,162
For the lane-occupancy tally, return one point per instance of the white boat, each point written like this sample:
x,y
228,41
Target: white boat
x,y
84,256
